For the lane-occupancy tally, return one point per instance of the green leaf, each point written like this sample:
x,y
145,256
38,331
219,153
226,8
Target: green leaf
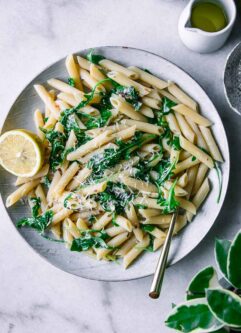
x,y
234,262
225,305
147,227
220,180
39,223
94,58
204,279
71,82
36,206
193,316
221,254
88,240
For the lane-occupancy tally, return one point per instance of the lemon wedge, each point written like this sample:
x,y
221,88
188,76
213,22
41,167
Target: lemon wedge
x,y
21,152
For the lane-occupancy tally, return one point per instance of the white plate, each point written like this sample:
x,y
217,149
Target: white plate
x,y
21,116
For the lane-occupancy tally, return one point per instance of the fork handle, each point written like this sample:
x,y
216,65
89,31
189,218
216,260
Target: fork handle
x,y
161,265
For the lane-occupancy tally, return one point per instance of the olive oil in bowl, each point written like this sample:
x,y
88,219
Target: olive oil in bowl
x,y
208,16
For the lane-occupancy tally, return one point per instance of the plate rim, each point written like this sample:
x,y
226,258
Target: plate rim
x,y
227,162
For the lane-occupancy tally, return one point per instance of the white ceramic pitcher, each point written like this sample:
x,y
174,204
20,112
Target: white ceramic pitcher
x,y
203,41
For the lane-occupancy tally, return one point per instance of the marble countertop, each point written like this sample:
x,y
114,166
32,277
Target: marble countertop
x,y
34,296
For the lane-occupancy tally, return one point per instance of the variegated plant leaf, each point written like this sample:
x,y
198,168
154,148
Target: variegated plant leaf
x,y
225,306
193,316
234,262
222,247
206,278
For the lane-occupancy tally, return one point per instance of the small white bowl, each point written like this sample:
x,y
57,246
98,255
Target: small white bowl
x,y
202,41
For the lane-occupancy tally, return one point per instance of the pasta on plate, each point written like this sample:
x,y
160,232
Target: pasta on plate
x,y
123,150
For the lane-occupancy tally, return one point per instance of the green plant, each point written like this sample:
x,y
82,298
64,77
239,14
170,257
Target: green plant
x,y
208,306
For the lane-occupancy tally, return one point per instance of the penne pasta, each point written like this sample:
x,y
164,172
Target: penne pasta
x,y
197,152
149,78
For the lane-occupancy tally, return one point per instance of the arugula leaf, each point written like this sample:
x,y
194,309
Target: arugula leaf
x,y
57,141
115,197
220,180
96,122
165,169
170,204
147,227
147,71
167,105
94,58
88,241
88,97
36,206
130,94
46,181
39,223
176,143
71,82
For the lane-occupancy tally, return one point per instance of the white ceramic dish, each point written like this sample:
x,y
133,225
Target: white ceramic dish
x,y
20,116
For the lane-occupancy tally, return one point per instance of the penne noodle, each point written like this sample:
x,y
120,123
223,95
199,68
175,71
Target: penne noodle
x,y
21,192
149,212
61,215
182,96
201,174
126,133
102,221
90,81
132,254
93,189
197,152
146,111
199,137
83,63
126,247
191,174
66,178
79,178
40,194
138,184
149,78
64,87
114,242
151,102
39,123
142,126
199,197
185,128
127,82
125,108
99,76
213,148
112,66
193,115
124,223
185,164
173,124
131,214
89,146
183,180
169,96
114,231
73,71
48,100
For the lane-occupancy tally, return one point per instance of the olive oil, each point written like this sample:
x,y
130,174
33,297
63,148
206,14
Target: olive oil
x,y
208,16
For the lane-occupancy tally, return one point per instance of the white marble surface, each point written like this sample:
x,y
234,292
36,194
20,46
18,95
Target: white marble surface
x,y
34,296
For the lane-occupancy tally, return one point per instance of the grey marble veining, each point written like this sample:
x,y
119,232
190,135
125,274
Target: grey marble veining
x,y
34,296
